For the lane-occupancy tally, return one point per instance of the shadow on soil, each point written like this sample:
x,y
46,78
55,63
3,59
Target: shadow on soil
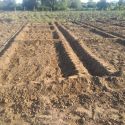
x,y
65,64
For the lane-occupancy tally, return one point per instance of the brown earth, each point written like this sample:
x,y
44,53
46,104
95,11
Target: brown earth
x,y
7,29
107,48
34,90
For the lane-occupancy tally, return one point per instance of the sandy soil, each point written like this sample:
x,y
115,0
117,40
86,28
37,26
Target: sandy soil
x,y
33,91
106,48
7,29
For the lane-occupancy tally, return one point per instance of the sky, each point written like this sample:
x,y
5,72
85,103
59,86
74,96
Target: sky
x,y
18,1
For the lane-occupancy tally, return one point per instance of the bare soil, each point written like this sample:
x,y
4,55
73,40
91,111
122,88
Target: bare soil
x,y
107,48
7,29
42,84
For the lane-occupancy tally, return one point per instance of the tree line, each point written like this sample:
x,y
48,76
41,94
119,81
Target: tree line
x,y
104,5
53,5
40,5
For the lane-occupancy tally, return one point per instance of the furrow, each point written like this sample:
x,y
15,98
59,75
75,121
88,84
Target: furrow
x,y
94,65
73,57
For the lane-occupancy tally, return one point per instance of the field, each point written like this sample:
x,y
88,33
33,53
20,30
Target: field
x,y
62,68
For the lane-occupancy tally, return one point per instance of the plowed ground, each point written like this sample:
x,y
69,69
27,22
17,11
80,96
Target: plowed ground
x,y
7,28
34,91
107,48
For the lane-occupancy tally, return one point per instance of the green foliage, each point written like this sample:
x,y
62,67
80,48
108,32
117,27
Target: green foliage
x,y
53,5
91,4
121,4
102,5
7,4
49,3
62,5
19,7
75,4
30,4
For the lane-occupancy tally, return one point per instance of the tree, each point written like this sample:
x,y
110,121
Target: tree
x,y
9,4
49,3
30,4
75,4
91,4
102,5
1,5
121,3
61,5
54,4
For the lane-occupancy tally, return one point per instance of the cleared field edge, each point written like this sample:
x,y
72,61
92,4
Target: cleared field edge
x,y
94,65
71,58
8,42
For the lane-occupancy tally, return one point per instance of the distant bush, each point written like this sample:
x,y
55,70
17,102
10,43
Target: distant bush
x,y
102,5
7,5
